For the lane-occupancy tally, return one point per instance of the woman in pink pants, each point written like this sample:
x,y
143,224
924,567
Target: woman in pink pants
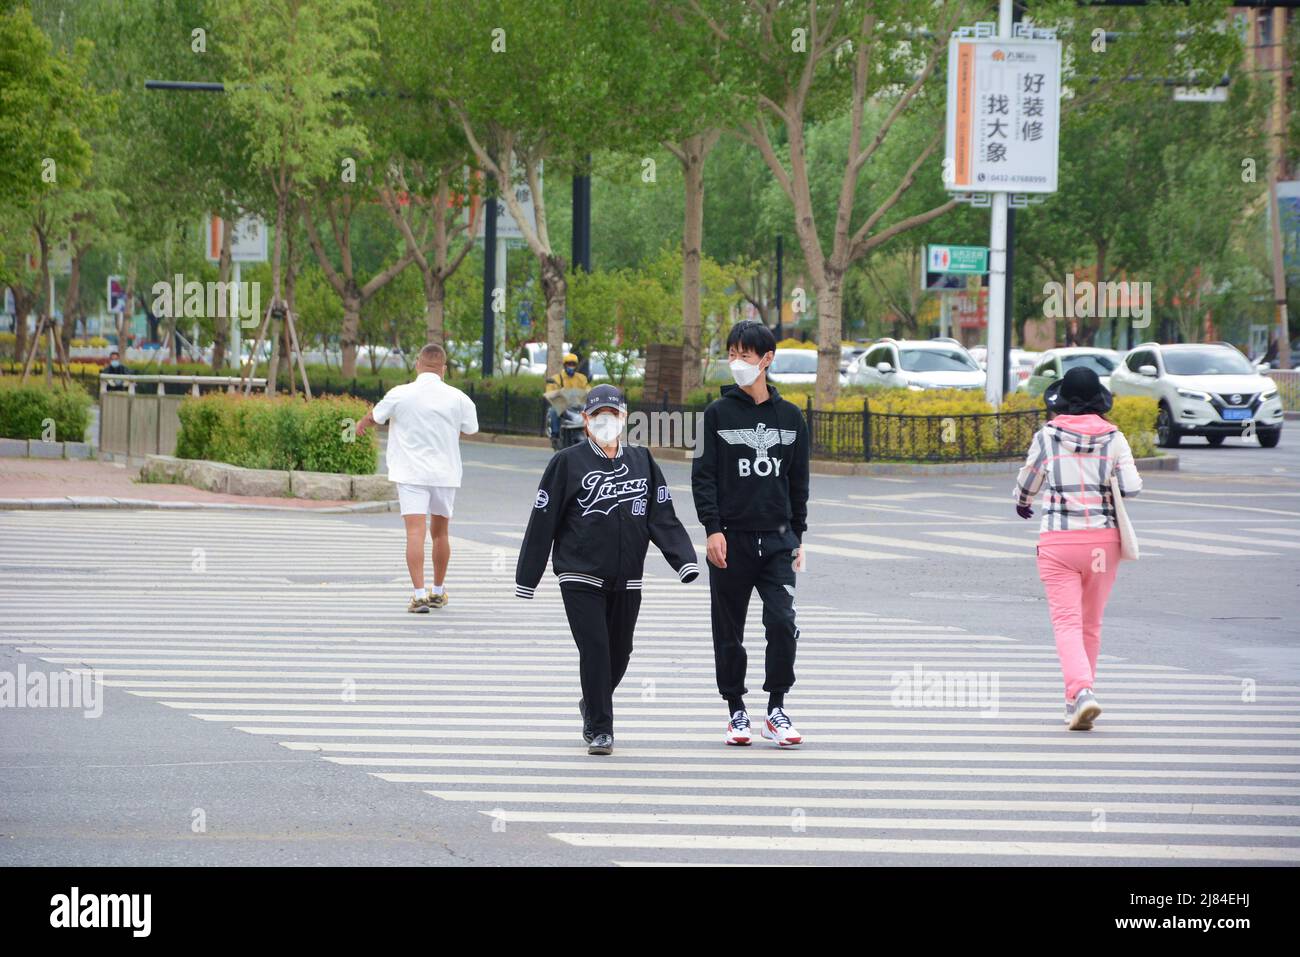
x,y
1072,458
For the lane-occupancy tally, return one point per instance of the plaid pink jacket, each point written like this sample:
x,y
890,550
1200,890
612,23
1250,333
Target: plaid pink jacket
x,y
1071,460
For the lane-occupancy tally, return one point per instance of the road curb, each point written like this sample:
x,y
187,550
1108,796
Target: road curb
x,y
71,502
506,438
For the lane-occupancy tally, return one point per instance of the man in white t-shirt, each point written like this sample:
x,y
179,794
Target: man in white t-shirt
x,y
426,419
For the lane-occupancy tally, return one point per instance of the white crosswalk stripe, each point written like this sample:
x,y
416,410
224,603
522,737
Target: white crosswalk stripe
x,y
293,629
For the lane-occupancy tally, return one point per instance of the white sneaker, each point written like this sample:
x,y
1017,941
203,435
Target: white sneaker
x,y
738,729
779,729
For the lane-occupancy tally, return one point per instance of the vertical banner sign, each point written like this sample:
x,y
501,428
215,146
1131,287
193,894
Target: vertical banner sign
x,y
248,241
1004,114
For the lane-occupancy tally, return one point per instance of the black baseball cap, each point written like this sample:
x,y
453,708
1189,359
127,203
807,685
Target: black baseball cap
x,y
605,397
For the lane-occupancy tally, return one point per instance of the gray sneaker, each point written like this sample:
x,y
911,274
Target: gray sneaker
x,y
1083,711
601,744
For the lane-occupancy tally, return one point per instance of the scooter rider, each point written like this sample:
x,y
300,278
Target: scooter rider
x,y
599,505
568,378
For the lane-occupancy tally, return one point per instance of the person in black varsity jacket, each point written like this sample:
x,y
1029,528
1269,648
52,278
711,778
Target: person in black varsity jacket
x,y
599,505
751,494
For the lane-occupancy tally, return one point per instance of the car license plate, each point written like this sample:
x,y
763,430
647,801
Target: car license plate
x,y
1236,415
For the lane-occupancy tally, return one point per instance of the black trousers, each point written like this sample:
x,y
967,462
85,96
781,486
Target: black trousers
x,y
762,560
602,621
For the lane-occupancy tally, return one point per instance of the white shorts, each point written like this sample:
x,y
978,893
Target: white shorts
x,y
426,499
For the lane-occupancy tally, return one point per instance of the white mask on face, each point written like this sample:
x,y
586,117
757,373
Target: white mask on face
x,y
605,428
745,373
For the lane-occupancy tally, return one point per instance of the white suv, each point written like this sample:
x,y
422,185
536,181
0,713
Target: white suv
x,y
917,364
1209,389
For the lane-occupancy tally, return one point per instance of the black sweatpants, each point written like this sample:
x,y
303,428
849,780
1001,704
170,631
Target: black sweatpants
x,y
762,560
602,621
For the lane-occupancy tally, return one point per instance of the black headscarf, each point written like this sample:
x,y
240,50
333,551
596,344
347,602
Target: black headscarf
x,y
1079,392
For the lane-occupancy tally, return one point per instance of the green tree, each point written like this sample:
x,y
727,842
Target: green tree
x,y
293,67
533,83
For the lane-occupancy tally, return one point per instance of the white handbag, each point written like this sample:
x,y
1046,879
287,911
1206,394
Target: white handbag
x,y
1128,542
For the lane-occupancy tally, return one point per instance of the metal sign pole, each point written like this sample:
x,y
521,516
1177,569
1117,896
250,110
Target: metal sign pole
x,y
996,371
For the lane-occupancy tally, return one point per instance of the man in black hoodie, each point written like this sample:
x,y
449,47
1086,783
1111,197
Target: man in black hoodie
x,y
750,484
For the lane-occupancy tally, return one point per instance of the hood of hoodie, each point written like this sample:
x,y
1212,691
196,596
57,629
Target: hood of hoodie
x,y
734,391
1080,426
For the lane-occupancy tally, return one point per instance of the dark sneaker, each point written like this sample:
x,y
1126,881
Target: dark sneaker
x,y
419,606
587,733
437,601
601,744
1080,714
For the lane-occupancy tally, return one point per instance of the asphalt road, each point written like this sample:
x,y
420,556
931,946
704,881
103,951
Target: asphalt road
x,y
267,699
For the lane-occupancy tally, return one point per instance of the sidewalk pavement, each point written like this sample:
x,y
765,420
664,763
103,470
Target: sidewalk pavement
x,y
63,483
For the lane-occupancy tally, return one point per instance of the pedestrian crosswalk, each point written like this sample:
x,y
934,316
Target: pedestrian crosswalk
x,y
925,743
975,524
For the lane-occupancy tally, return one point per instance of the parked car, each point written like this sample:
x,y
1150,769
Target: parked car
x,y
1054,363
917,364
1022,361
793,365
1207,389
848,354
529,359
601,364
790,366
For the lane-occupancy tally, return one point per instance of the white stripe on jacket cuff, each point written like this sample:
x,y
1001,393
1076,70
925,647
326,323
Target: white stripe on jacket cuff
x,y
523,591
688,569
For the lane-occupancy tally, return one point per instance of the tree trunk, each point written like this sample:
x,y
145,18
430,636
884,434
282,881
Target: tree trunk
x,y
45,292
71,303
692,154
348,333
128,311
435,308
286,344
830,304
24,301
221,329
273,366
555,288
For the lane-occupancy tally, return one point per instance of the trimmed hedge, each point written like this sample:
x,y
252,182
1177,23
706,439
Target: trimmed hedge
x,y
1135,416
25,408
276,433
934,439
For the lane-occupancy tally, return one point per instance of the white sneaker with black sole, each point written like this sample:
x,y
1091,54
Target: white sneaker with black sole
x,y
778,728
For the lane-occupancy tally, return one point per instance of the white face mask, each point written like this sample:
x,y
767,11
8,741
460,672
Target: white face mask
x,y
745,373
606,427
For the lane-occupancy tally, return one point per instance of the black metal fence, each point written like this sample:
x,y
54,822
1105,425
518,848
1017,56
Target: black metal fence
x,y
869,436
512,413
857,436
